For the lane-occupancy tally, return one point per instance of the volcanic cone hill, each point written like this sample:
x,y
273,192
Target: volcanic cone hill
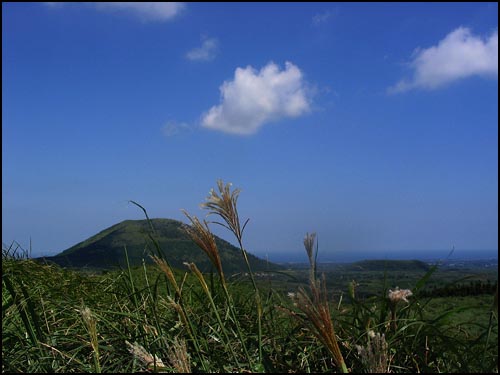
x,y
105,250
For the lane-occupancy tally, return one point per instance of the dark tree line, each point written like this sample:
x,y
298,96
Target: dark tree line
x,y
472,288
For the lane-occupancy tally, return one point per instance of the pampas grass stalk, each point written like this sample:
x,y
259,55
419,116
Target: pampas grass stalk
x,y
152,362
375,354
91,326
318,320
167,270
316,309
224,204
179,357
201,235
178,306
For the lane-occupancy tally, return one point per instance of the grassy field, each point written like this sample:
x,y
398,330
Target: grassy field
x,y
161,319
59,320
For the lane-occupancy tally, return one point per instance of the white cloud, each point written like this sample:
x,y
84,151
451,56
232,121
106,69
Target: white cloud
x,y
206,52
321,18
147,11
459,55
53,5
174,128
254,98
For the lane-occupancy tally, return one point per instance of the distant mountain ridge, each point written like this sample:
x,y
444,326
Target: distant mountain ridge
x,y
106,249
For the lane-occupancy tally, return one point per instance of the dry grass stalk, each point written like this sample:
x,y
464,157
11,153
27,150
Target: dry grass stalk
x,y
318,319
309,246
375,355
224,205
194,269
201,235
179,356
180,310
316,309
177,305
165,268
144,356
91,326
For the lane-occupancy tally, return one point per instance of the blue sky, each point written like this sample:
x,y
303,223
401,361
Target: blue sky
x,y
374,125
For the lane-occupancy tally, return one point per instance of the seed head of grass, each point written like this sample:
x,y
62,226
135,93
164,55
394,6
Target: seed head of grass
x,y
318,320
192,267
86,315
309,246
144,356
167,270
201,235
375,354
179,357
91,326
224,205
399,295
180,310
395,296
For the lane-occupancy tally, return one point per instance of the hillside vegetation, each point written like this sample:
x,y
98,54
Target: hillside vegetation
x,y
106,250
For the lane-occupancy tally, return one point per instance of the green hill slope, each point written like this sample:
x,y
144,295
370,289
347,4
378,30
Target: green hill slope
x,y
106,249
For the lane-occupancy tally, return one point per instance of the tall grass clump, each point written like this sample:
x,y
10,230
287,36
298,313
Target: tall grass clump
x,y
225,206
315,308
